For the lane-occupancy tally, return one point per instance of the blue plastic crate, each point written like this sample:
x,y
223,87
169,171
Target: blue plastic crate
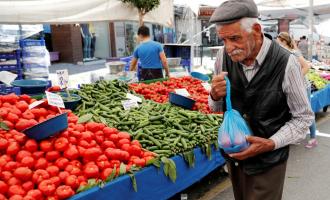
x,y
32,66
10,55
31,43
4,89
33,54
9,68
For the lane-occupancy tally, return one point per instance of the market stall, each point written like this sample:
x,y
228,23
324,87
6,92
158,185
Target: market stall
x,y
106,147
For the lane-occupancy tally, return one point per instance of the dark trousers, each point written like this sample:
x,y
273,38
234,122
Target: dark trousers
x,y
148,74
264,186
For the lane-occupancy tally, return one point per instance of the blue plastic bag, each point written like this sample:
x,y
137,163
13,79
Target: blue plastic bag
x,y
233,130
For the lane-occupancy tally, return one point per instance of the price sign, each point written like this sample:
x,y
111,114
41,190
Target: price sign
x,y
63,78
7,77
35,104
54,100
128,104
182,92
207,86
133,97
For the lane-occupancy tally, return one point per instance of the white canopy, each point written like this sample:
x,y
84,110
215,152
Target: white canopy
x,y
77,11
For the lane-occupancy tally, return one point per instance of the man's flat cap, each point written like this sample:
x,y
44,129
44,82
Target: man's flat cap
x,y
234,10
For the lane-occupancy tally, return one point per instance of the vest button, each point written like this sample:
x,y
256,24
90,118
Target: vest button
x,y
236,164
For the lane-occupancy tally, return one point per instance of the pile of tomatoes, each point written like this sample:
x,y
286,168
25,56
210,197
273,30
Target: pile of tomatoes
x,y
159,91
56,167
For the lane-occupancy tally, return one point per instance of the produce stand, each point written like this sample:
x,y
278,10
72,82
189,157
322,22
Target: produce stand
x,y
153,184
320,99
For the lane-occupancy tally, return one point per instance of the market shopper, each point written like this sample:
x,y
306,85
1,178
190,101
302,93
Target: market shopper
x,y
287,42
151,56
303,46
267,89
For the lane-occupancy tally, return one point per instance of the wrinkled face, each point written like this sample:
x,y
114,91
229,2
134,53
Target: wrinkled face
x,y
239,43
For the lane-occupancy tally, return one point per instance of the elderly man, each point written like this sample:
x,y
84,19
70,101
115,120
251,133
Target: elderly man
x,y
267,89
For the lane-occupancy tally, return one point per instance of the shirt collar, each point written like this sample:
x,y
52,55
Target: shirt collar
x,y
263,50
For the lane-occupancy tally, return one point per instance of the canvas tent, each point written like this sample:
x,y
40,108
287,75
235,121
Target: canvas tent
x,y
70,11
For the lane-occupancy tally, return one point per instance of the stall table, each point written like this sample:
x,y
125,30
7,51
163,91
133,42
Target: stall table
x,y
320,99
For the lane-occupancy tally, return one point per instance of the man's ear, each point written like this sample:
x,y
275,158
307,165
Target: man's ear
x,y
256,28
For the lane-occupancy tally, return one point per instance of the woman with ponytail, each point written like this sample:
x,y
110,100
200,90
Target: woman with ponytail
x,y
287,42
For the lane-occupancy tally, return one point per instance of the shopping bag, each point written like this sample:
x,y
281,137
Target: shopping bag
x,y
233,130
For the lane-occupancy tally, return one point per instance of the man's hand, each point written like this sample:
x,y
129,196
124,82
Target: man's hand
x,y
257,146
218,88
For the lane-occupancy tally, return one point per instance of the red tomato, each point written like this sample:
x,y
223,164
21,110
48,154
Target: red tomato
x,y
114,138
109,131
28,162
16,197
52,155
6,175
3,143
136,142
91,171
123,141
14,181
61,163
61,144
16,189
79,128
13,148
107,144
47,187
38,154
36,194
46,145
22,154
92,153
124,135
31,145
27,186
63,175
3,187
64,192
40,175
71,152
53,170
41,163
72,181
74,170
23,173
56,180
105,173
135,150
13,118
10,166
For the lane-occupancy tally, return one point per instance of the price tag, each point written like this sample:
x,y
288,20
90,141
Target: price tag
x,y
182,92
35,104
207,86
63,78
55,100
7,77
128,104
133,97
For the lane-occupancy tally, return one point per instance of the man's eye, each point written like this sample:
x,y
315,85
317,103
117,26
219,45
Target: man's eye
x,y
234,38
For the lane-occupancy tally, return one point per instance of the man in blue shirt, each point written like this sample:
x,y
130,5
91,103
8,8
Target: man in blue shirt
x,y
151,55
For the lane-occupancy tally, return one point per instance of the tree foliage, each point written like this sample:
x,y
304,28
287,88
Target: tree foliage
x,y
143,6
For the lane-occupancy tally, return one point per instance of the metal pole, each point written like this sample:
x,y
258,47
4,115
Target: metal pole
x,y
310,35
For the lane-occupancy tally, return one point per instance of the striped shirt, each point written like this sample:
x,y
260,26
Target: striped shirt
x,y
293,87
